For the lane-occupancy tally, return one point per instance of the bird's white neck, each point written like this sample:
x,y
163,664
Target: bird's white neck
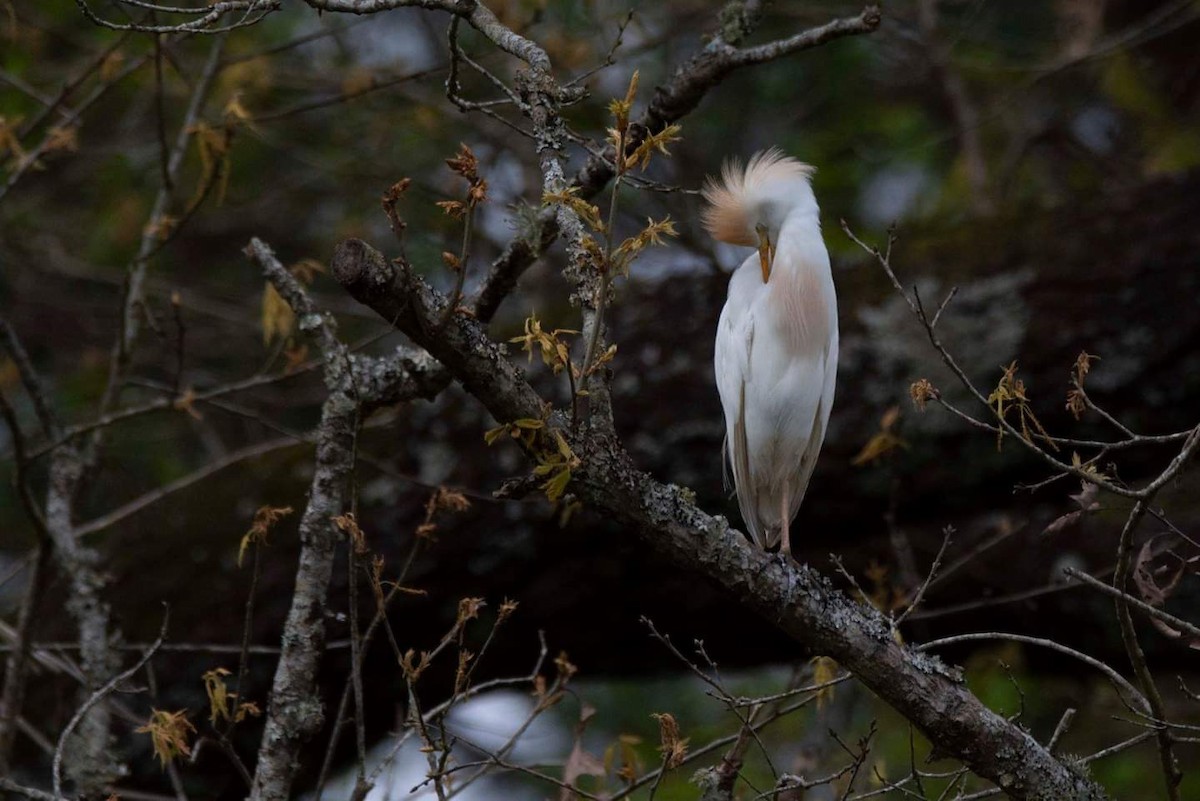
x,y
802,295
798,244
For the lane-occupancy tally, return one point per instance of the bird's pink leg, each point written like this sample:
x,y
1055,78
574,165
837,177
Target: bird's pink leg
x,y
785,546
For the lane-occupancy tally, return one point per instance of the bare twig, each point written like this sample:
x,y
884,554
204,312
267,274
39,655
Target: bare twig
x,y
1137,658
1191,438
1116,678
933,571
98,696
154,496
16,666
1152,611
28,792
1064,723
29,378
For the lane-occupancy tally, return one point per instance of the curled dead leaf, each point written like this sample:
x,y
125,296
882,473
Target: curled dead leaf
x,y
1146,577
672,747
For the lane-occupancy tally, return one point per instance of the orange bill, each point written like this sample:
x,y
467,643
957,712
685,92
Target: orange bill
x,y
765,252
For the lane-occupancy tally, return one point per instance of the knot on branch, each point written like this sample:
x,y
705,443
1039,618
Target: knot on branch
x,y
871,16
355,263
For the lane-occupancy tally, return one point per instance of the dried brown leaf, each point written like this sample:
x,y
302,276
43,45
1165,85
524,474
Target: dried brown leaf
x,y
1085,499
168,734
580,762
348,525
1151,591
1062,523
1076,403
569,197
620,109
1010,394
1083,365
672,746
652,143
468,609
218,694
506,609
413,665
566,670
264,519
1155,593
464,163
455,208
307,269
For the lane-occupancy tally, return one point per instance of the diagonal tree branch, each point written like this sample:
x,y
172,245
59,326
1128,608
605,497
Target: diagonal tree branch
x,y
797,599
29,378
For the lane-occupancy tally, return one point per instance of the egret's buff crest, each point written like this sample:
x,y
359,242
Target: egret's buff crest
x,y
729,216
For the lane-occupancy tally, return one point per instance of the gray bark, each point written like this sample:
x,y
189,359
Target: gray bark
x,y
795,598
356,384
91,762
295,712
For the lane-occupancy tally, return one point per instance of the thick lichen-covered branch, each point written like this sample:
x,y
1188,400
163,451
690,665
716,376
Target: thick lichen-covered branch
x,y
797,599
356,384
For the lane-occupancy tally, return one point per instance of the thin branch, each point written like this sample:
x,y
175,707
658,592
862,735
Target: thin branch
x,y
338,99
884,260
154,496
929,578
130,323
1116,678
1136,603
1137,658
71,118
320,324
866,22
28,792
98,696
16,667
475,14
205,24
169,403
20,462
29,378
1064,723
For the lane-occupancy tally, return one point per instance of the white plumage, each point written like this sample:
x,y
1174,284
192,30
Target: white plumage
x,y
777,341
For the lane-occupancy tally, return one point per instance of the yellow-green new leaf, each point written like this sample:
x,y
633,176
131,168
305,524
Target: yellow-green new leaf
x,y
557,485
278,319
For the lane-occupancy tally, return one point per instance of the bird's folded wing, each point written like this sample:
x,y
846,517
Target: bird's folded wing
x,y
735,339
812,449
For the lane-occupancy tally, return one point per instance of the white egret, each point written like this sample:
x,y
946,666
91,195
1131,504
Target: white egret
x,y
777,341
